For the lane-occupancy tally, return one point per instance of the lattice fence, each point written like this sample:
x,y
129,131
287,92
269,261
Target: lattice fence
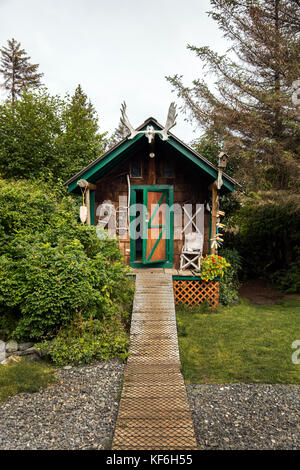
x,y
195,292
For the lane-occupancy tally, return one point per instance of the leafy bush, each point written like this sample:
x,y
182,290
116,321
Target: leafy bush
x,y
229,283
288,280
29,207
267,232
86,341
52,268
8,323
213,266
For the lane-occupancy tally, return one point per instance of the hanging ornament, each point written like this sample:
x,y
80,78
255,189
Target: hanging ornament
x,y
83,214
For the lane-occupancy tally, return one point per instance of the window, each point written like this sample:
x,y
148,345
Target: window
x,y
136,168
167,169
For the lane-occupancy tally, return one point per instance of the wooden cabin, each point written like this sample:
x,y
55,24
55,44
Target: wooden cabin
x,y
160,174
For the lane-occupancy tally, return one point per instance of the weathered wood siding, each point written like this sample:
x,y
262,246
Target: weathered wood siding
x,y
189,187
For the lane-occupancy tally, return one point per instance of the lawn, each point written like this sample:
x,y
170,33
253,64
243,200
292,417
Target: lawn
x,y
24,376
243,343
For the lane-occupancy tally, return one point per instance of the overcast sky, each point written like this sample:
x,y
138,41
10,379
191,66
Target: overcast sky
x,y
117,50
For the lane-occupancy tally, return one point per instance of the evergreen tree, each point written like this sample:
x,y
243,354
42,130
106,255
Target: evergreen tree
x,y
119,134
17,71
207,148
28,135
81,142
251,110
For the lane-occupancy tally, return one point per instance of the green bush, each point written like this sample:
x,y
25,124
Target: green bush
x,y
53,268
267,233
288,280
29,207
8,322
229,283
86,341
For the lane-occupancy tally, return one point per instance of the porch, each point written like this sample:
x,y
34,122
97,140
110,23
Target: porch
x,y
188,288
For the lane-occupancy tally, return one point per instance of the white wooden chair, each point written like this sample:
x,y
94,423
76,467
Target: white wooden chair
x,y
191,251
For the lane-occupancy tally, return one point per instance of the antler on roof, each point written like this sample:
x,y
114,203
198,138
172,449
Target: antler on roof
x,y
124,120
149,132
171,121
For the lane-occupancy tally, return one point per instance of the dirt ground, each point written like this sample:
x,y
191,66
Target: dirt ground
x,y
261,293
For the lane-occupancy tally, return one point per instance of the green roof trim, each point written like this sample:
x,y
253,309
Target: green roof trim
x,y
103,161
200,163
126,147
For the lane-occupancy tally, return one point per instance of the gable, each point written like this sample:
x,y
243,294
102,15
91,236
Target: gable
x,y
126,148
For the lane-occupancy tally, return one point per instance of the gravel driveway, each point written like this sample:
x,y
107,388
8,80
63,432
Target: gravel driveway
x,y
79,412
242,416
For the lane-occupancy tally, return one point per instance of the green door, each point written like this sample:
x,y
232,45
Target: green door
x,y
156,246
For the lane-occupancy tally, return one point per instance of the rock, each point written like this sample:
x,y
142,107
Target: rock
x,y
11,346
33,357
29,351
68,367
11,358
23,346
26,352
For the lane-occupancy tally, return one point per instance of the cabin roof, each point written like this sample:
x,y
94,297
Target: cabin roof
x,y
94,170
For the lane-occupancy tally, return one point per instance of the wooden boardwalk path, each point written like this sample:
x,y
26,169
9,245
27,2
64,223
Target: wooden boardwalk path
x,y
154,411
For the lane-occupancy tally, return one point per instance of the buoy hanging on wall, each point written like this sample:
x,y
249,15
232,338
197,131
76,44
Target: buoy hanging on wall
x,y
83,214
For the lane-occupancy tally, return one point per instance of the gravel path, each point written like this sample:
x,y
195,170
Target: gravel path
x,y
242,416
79,412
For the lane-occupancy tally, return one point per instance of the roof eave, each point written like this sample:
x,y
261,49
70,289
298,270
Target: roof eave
x,y
173,141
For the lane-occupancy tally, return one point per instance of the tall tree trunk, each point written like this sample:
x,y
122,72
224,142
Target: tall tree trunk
x,y
278,120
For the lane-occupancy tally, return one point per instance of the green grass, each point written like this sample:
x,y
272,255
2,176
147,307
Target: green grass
x,y
242,343
24,376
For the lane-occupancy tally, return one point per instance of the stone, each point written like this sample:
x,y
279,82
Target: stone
x,y
33,357
27,352
31,350
11,358
23,346
68,367
11,346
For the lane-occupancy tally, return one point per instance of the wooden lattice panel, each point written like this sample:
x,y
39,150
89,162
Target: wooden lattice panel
x,y
195,292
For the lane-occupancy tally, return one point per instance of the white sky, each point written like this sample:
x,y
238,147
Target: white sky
x,y
117,50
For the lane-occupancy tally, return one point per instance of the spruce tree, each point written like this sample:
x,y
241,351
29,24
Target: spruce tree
x,y
250,108
81,142
119,134
17,71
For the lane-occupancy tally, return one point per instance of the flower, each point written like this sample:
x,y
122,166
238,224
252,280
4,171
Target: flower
x,y
213,266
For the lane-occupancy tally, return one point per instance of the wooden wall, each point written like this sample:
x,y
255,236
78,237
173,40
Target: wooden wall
x,y
189,187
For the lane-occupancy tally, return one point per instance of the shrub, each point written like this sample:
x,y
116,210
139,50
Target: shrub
x,y
288,280
8,322
32,207
53,268
86,341
229,283
267,232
